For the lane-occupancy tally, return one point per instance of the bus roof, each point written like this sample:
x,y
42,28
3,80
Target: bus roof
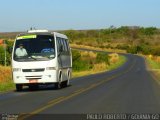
x,y
44,32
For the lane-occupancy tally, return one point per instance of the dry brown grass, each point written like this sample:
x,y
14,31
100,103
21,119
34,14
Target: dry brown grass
x,y
92,54
113,58
89,54
96,48
84,53
5,74
153,65
99,67
156,58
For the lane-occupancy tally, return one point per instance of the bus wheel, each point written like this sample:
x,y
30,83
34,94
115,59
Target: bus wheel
x,y
69,77
66,83
58,85
19,87
68,80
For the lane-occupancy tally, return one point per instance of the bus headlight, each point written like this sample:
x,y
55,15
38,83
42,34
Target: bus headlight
x,y
50,68
16,69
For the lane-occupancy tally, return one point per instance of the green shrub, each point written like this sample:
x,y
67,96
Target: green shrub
x,y
102,57
2,57
76,56
145,49
81,65
132,49
8,53
123,47
9,46
149,31
155,51
78,63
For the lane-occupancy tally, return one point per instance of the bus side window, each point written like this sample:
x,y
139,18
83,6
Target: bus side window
x,y
61,41
65,45
66,41
58,44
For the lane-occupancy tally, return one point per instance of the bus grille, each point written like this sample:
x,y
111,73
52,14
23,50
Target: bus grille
x,y
33,70
33,77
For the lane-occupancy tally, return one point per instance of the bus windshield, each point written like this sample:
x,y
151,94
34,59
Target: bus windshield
x,y
34,48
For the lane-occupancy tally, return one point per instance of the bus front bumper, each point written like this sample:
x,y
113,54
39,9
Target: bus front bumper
x,y
32,78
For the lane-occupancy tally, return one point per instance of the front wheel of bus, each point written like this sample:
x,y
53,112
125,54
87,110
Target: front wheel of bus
x,y
19,87
58,85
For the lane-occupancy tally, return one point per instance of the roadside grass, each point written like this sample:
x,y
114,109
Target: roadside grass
x,y
115,65
4,74
153,63
7,86
154,66
101,67
6,82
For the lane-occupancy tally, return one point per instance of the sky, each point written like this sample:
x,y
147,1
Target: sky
x,y
20,15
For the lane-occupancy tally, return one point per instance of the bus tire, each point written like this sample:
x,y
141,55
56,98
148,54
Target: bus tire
x,y
66,83
19,87
58,85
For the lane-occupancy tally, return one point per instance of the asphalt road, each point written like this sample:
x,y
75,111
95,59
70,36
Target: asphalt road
x,y
129,89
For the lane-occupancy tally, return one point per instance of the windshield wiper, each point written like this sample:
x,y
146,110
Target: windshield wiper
x,y
47,57
32,57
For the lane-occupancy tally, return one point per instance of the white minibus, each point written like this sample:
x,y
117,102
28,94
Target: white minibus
x,y
41,57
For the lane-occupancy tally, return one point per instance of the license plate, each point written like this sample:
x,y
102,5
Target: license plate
x,y
33,81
